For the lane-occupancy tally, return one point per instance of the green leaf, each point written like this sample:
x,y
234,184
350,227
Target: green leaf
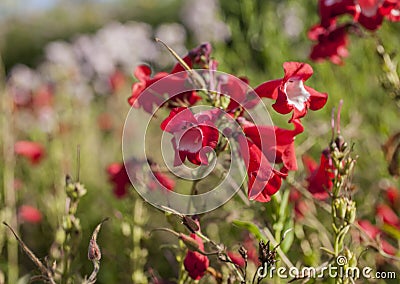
x,y
252,228
391,230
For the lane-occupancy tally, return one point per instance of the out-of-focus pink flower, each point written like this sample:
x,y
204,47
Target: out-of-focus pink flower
x,y
320,176
104,121
290,92
252,252
117,81
387,215
236,258
300,207
195,263
331,43
163,179
31,150
29,214
374,232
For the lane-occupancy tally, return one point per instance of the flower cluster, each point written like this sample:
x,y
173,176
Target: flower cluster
x,y
331,32
267,151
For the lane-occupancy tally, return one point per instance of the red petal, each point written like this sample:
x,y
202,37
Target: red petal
x,y
317,100
142,72
298,70
269,89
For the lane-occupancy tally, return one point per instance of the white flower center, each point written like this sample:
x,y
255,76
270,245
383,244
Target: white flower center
x,y
296,94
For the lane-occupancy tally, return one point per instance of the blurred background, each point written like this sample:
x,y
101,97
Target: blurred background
x,y
68,72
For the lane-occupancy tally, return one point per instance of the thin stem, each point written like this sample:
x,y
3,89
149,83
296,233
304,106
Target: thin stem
x,y
338,116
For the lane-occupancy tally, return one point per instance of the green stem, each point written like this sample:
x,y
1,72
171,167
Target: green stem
x,y
137,255
8,178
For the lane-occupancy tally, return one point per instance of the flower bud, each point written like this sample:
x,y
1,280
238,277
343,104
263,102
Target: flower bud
x,y
189,242
351,211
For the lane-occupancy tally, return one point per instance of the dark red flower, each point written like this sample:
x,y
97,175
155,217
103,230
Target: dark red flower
x,y
320,176
194,135
119,177
31,150
276,143
332,43
374,232
195,263
329,10
387,215
263,180
29,214
290,92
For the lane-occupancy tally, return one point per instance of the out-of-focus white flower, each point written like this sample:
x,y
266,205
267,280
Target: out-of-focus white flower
x,y
201,17
175,36
292,14
24,77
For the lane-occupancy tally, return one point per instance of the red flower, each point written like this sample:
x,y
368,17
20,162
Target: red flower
x,y
393,196
276,143
31,150
263,180
236,258
116,80
329,10
195,263
119,177
193,134
290,93
300,207
387,215
373,232
332,43
394,14
199,55
320,177
252,251
372,12
142,73
29,214
163,179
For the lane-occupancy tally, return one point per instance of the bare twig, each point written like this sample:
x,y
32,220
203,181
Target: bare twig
x,y
46,272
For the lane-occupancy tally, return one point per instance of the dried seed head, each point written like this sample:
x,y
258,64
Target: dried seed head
x,y
94,252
